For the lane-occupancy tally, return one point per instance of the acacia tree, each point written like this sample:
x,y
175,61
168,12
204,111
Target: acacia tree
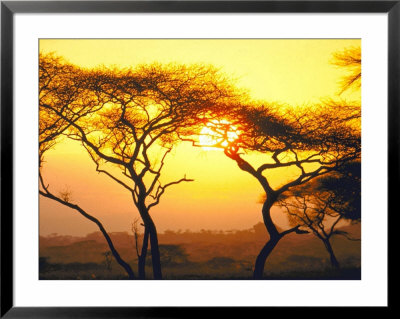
x,y
62,91
314,141
320,204
142,112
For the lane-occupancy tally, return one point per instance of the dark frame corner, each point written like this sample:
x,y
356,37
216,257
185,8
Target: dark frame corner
x,y
9,8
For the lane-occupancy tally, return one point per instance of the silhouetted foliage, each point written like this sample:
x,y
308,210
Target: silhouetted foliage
x,y
173,255
221,262
320,204
349,59
62,91
43,264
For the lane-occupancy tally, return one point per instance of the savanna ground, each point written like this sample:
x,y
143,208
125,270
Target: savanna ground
x,y
202,255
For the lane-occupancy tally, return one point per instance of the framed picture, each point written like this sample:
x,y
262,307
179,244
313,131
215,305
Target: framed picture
x,y
196,154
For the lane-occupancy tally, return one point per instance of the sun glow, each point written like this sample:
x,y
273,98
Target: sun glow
x,y
218,134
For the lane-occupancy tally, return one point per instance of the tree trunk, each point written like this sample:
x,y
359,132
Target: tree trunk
x,y
143,254
334,261
262,257
151,228
274,238
155,253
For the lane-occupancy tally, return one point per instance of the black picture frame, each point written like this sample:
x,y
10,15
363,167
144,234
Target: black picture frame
x,y
9,8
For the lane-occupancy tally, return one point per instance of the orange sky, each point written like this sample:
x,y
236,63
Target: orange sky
x,y
222,196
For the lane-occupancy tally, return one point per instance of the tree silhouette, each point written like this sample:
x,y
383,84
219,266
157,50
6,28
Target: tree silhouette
x,y
61,91
314,140
140,113
320,204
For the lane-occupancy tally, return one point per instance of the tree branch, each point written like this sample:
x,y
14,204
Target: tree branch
x,y
161,190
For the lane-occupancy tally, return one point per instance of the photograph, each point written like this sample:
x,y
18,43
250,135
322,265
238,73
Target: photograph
x,y
199,159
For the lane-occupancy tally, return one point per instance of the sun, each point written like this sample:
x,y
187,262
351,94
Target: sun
x,y
218,134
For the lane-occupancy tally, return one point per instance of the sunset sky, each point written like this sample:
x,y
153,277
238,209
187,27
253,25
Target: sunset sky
x,y
222,197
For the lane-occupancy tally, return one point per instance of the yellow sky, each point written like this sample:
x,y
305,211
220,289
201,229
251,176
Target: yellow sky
x,y
297,72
